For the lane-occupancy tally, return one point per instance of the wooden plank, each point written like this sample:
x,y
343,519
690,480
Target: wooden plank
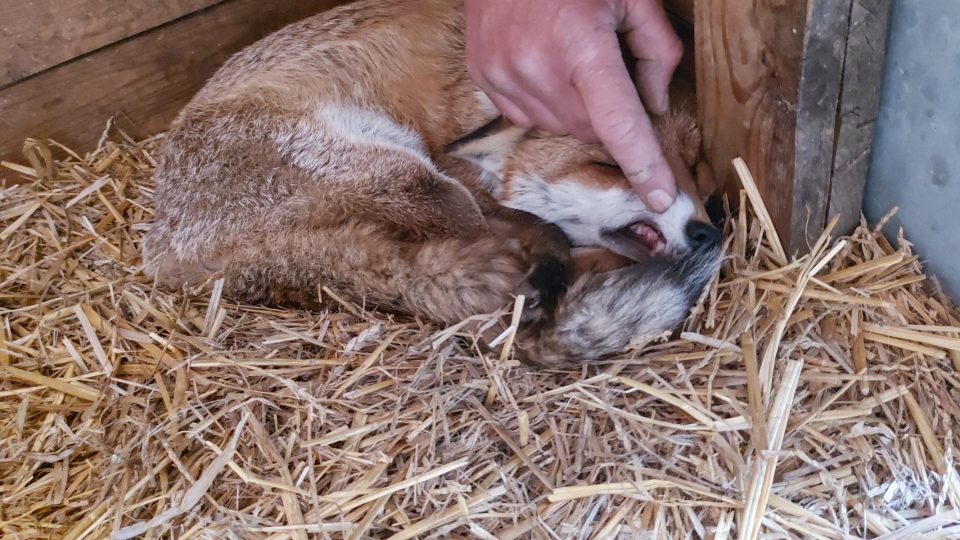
x,y
859,105
144,80
747,62
768,83
40,34
825,43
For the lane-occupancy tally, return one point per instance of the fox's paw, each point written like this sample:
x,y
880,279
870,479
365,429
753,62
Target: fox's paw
x,y
543,288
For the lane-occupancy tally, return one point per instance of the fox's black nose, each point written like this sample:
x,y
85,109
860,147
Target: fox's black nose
x,y
702,234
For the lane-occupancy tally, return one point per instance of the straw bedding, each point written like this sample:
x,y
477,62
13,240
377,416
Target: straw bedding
x,y
815,398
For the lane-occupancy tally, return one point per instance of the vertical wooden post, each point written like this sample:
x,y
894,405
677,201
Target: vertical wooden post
x,y
821,70
859,104
769,78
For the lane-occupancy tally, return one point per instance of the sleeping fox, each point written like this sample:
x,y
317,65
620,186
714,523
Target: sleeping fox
x,y
351,151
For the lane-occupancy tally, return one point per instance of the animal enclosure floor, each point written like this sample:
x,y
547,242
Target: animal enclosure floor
x,y
816,398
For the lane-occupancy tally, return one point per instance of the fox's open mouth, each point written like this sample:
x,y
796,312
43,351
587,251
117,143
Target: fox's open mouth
x,y
637,241
648,235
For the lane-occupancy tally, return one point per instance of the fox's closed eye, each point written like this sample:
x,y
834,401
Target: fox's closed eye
x,y
606,165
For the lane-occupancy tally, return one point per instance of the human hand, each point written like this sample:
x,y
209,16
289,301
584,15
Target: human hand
x,y
557,65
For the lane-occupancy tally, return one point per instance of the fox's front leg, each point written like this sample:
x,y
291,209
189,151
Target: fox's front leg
x,y
547,251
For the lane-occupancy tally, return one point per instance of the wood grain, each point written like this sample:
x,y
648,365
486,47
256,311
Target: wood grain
x,y
748,78
144,80
40,34
768,78
859,104
825,41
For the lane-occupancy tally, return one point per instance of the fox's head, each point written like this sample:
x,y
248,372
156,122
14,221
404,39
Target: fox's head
x,y
579,187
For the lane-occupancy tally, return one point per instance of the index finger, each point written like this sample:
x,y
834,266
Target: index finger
x,y
621,123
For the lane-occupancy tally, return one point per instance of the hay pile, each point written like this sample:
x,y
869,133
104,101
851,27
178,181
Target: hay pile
x,y
809,399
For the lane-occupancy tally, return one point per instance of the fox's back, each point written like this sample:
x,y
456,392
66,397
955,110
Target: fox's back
x,y
400,57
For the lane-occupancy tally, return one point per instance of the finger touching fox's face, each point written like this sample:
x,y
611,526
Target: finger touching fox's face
x,y
578,186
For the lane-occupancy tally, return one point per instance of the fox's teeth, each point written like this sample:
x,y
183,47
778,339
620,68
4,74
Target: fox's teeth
x,y
649,235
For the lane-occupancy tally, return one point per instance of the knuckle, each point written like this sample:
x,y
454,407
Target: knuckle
x,y
490,68
589,72
518,118
673,52
523,122
590,57
616,125
528,62
497,68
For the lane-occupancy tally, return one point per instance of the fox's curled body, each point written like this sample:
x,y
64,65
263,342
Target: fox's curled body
x,y
350,150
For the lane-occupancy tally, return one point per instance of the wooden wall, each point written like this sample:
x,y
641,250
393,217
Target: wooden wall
x,y
45,33
792,88
66,67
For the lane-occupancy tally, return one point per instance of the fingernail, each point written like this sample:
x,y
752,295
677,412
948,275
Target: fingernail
x,y
659,200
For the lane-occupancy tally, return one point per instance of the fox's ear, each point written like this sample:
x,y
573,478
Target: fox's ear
x,y
488,146
679,133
